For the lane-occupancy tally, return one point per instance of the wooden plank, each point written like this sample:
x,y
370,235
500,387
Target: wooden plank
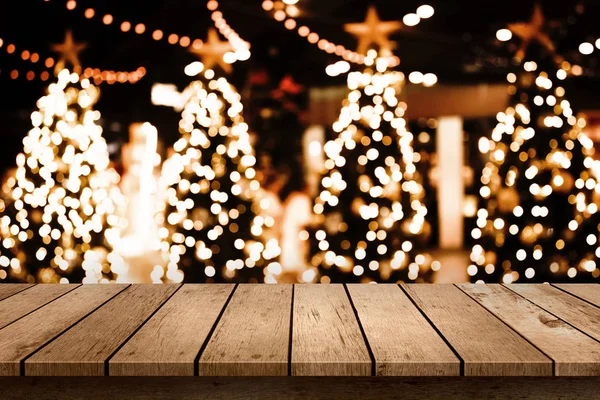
x,y
326,337
402,341
252,337
8,289
576,312
574,353
588,292
83,349
294,388
21,338
486,345
167,345
24,302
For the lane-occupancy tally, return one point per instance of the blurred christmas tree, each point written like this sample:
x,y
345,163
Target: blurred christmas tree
x,y
10,266
539,222
371,211
59,217
372,223
214,220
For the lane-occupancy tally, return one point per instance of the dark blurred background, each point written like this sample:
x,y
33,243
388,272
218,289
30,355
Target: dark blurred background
x,y
458,44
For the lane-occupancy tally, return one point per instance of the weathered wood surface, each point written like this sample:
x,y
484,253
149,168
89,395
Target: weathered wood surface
x,y
310,330
326,337
570,309
9,289
402,341
573,352
26,301
168,344
487,345
587,292
252,337
83,349
302,388
27,335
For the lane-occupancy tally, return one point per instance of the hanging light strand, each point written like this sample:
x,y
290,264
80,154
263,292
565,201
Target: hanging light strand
x,y
286,12
97,75
240,46
137,28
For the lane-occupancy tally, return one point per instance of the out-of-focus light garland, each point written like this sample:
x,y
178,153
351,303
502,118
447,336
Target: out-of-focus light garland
x,y
388,210
214,200
521,225
99,76
286,12
59,209
112,77
241,48
139,28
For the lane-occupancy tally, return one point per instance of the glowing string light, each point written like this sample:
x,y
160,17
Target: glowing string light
x,y
286,13
241,47
99,76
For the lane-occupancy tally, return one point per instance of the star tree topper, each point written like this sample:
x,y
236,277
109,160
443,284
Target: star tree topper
x,y
69,52
532,31
373,30
212,51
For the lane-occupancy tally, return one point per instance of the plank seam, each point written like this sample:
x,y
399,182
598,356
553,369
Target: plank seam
x,y
291,332
551,313
43,305
435,328
211,332
20,291
512,329
22,362
136,330
362,331
574,295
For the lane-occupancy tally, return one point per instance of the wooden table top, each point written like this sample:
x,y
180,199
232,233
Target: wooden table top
x,y
278,330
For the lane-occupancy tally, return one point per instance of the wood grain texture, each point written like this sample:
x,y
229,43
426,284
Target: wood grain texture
x,y
252,337
574,353
576,312
326,337
487,346
82,350
299,388
402,341
167,345
159,330
588,292
21,338
22,303
9,289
